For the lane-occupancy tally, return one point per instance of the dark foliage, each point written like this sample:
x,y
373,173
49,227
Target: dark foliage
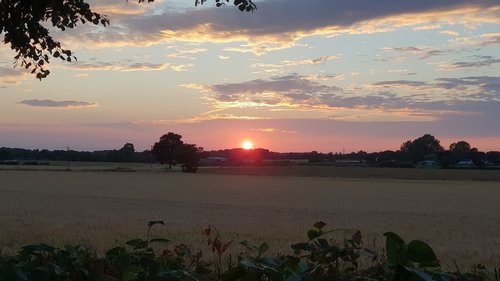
x,y
164,149
325,255
170,149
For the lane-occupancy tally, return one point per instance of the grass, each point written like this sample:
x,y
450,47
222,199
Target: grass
x,y
359,172
460,219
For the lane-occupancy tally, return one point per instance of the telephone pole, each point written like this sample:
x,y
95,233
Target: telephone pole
x,y
68,157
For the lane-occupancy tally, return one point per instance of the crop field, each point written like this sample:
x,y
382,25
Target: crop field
x,y
460,219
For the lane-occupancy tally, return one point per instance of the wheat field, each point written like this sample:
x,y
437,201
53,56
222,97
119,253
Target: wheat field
x,y
460,219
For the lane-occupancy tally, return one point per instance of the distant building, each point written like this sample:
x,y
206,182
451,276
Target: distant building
x,y
427,163
466,163
213,160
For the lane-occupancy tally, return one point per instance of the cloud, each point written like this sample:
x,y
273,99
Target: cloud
x,y
10,76
404,53
273,130
490,39
118,7
118,66
487,39
82,75
262,91
279,24
186,53
427,27
284,65
194,86
416,100
449,32
58,104
476,64
309,61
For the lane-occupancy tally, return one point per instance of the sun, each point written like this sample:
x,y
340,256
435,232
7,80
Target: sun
x,y
247,145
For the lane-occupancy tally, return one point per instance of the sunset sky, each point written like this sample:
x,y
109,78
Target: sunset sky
x,y
295,75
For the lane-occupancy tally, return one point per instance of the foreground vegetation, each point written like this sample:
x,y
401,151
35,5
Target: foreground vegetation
x,y
320,257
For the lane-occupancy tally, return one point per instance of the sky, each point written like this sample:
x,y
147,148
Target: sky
x,y
295,75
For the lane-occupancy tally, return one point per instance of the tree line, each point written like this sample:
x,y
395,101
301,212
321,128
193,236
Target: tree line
x,y
171,150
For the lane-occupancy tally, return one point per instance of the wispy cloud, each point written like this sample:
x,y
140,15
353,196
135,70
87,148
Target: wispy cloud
x,y
449,32
58,104
308,61
404,53
273,131
186,53
10,76
490,39
118,66
472,64
115,8
427,27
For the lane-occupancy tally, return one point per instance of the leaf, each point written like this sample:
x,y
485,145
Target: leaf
x,y
13,273
319,225
160,240
115,252
323,244
269,263
137,243
168,275
301,247
312,233
263,248
151,223
395,248
37,248
422,274
248,264
235,273
104,277
40,274
293,277
421,252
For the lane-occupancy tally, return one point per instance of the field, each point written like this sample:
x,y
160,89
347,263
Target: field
x,y
460,219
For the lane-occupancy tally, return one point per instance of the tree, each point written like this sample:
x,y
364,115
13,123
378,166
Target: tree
x,y
126,153
188,155
165,148
419,149
23,23
171,149
460,150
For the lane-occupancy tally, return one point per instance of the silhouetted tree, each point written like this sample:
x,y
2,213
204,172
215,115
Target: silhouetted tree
x,y
126,153
314,157
421,148
165,148
188,156
460,150
25,27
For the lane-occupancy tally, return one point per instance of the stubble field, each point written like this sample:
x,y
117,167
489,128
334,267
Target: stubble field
x,y
460,219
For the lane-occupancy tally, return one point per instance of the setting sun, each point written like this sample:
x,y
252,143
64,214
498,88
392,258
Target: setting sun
x,y
247,145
